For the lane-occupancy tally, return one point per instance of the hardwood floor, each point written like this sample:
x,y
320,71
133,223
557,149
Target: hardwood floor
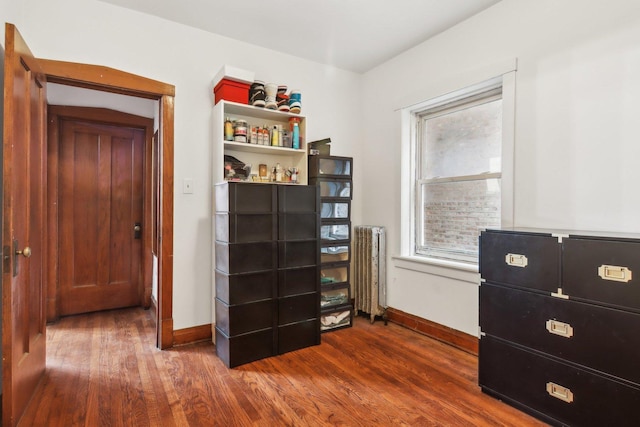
x,y
103,370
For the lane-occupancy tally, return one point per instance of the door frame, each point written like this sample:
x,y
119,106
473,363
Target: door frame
x,y
100,116
115,81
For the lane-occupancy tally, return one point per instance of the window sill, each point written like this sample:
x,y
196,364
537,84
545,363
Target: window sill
x,y
450,269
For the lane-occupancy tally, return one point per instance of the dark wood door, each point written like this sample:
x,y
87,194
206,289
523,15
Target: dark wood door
x,y
100,216
23,230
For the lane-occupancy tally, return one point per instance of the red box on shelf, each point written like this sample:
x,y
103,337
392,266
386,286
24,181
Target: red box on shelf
x,y
231,90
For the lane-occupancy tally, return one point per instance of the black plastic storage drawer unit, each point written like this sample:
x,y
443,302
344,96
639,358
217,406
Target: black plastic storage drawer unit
x,y
336,318
267,255
245,257
333,175
246,287
296,281
332,253
294,336
332,187
330,166
334,295
246,228
235,197
335,231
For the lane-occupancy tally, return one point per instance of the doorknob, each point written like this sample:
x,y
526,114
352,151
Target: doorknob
x,y
26,252
137,230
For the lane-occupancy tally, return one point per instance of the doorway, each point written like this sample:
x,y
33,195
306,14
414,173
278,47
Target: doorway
x,y
29,256
114,81
101,212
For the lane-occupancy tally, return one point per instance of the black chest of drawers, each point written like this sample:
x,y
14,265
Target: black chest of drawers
x,y
560,325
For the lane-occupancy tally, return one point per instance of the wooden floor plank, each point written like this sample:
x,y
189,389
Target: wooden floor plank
x,y
103,370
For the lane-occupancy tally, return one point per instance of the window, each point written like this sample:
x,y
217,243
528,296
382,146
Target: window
x,y
457,151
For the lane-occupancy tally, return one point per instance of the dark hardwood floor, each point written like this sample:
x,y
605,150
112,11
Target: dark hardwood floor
x,y
103,370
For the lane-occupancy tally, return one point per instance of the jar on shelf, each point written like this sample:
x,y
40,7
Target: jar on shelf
x,y
240,131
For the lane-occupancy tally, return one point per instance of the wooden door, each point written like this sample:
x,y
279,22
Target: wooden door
x,y
23,230
100,201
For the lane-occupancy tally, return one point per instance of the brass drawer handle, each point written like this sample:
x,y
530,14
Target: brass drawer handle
x,y
559,392
516,260
559,328
615,273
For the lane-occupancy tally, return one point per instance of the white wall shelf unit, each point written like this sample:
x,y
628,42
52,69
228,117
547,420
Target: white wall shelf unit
x,y
254,154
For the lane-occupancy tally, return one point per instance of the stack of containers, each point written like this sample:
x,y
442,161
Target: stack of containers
x,y
333,175
245,272
298,323
266,272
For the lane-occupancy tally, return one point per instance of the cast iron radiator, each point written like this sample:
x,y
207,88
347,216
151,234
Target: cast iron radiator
x,y
369,271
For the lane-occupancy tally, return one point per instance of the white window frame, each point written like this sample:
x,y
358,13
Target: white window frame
x,y
409,157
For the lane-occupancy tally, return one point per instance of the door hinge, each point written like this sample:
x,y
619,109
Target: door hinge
x,y
6,261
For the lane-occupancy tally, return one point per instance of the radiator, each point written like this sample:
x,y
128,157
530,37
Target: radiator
x,y
369,271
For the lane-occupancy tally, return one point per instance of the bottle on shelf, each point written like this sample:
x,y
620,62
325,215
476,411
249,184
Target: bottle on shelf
x,y
295,138
228,130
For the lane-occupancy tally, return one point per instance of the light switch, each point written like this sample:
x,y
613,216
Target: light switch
x,y
187,186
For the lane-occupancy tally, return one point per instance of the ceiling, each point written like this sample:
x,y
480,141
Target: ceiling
x,y
355,35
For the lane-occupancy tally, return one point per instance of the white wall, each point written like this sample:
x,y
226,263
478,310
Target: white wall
x,y
92,32
577,135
